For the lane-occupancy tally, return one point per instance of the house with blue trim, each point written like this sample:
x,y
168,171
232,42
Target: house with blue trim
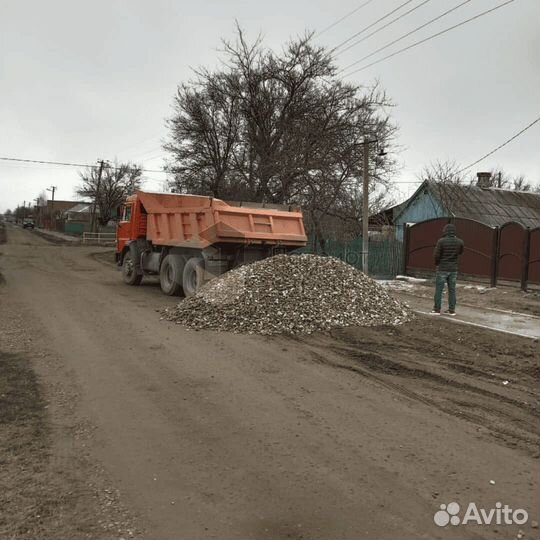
x,y
479,202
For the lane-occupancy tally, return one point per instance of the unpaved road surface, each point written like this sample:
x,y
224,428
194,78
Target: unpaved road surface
x,y
358,433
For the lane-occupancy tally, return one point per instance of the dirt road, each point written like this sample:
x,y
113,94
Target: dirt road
x,y
356,434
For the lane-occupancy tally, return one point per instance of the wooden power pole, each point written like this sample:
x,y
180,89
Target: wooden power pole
x,y
365,202
365,209
52,189
96,194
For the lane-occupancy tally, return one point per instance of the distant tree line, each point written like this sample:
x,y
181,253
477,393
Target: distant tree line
x,y
444,172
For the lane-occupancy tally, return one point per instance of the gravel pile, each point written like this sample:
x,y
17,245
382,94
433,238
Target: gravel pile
x,y
290,294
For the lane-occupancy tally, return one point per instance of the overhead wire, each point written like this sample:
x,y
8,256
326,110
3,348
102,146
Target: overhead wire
x,y
343,18
136,145
410,33
365,29
69,164
437,34
384,26
508,141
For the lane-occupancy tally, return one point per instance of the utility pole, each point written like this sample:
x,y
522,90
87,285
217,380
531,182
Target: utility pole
x,y
365,202
365,209
37,221
52,189
98,187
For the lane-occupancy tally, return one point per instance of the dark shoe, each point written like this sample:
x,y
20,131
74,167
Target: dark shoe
x,y
450,312
435,311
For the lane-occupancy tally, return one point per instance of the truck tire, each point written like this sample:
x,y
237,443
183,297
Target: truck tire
x,y
129,272
193,277
170,276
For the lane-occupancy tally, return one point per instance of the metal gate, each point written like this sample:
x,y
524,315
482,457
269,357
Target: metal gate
x,y
480,241
511,253
533,260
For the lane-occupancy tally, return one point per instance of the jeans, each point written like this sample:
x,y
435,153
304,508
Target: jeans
x,y
440,279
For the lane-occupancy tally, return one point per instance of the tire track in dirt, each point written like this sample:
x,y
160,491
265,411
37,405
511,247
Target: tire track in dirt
x,y
510,419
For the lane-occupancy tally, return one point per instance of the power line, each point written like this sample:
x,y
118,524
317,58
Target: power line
x,y
398,182
384,26
343,18
142,157
136,145
151,151
501,145
47,162
69,164
370,25
428,38
407,34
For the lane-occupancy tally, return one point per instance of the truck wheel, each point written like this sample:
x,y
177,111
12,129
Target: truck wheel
x,y
129,273
193,278
170,276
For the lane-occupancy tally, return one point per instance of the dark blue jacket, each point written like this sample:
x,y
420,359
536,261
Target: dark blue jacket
x,y
448,249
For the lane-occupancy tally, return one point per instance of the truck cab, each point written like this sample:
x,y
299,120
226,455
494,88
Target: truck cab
x,y
132,225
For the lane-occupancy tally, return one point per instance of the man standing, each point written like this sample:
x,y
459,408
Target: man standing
x,y
449,247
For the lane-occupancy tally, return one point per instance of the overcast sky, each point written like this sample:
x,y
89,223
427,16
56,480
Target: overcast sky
x,y
80,81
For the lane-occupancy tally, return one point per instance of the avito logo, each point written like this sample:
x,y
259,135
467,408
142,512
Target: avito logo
x,y
500,515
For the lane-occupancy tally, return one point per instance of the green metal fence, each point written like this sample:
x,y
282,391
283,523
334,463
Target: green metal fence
x,y
75,227
385,257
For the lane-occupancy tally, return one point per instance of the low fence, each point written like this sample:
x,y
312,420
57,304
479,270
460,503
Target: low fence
x,y
510,252
76,227
99,238
385,257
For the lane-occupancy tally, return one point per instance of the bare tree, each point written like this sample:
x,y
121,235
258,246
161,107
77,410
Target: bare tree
x,y
20,213
279,128
503,180
204,132
117,182
445,172
447,180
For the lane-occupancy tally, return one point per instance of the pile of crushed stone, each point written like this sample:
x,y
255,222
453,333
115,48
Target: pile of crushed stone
x,y
294,294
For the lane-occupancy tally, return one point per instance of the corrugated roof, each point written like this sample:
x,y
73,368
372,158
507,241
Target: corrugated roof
x,y
82,208
491,206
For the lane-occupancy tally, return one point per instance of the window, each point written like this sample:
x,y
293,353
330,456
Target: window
x,y
127,213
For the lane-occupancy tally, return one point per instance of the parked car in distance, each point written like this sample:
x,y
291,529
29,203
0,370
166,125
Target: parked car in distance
x,y
28,224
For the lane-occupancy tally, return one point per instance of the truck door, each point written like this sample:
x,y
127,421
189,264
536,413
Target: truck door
x,y
123,230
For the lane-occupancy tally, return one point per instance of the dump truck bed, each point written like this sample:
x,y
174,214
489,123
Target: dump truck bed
x,y
196,221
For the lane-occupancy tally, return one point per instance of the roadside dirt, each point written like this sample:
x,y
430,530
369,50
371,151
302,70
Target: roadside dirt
x,y
51,487
482,377
358,433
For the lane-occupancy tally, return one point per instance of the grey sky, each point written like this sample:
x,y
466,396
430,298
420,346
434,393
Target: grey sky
x,y
86,80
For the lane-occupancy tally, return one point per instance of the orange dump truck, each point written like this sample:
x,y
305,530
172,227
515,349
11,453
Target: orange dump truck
x,y
189,239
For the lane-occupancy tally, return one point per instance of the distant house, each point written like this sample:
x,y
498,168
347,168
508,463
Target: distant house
x,y
81,212
488,205
385,218
51,216
78,218
57,208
